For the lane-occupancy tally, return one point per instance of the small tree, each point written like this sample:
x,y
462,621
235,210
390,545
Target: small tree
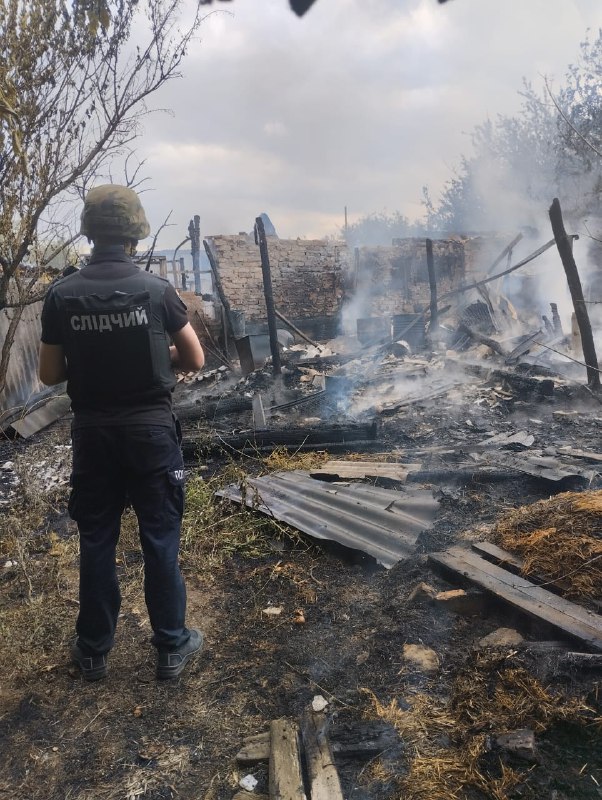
x,y
74,84
380,229
551,147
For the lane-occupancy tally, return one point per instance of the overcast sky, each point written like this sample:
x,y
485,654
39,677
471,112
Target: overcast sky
x,y
359,103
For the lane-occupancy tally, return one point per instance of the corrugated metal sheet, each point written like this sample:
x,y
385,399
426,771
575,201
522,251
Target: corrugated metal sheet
x,y
22,384
381,522
39,418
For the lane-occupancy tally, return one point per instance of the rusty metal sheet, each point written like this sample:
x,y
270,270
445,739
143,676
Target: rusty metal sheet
x,y
381,522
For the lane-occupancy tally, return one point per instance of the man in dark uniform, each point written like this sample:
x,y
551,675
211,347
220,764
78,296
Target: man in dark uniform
x,y
106,330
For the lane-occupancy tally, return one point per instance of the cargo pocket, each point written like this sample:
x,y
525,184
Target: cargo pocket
x,y
176,488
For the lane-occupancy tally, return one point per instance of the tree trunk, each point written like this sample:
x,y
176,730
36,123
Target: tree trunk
x,y
7,345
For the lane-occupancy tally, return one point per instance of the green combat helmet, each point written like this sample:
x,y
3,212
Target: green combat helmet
x,y
113,212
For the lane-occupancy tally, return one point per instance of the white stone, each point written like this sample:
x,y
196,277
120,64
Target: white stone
x,y
319,703
249,782
273,611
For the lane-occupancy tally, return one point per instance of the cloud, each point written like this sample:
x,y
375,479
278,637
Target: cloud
x,y
357,104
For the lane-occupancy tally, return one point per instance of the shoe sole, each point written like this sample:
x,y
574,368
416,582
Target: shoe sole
x,y
93,676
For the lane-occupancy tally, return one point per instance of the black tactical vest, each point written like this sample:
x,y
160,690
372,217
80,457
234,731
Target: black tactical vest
x,y
115,342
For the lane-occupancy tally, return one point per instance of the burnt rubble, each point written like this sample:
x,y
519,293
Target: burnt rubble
x,y
458,466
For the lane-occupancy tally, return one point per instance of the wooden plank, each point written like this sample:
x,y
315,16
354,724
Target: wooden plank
x,y
491,552
583,660
568,617
285,778
364,740
323,775
255,749
365,469
514,563
258,412
244,795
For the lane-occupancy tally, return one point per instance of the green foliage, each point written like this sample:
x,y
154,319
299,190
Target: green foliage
x,y
214,530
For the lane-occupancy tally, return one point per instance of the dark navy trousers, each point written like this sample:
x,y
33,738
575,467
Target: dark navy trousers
x,y
142,464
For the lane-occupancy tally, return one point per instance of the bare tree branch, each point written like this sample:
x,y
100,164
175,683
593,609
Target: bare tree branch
x,y
75,97
568,121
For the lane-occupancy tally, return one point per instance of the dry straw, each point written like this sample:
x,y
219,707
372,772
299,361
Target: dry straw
x,y
560,541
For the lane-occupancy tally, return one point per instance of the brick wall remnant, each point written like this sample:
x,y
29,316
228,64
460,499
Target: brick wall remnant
x,y
308,275
323,278
393,280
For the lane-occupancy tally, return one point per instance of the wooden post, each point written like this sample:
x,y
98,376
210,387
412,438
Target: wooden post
x,y
507,251
183,273
174,270
430,263
194,232
269,296
163,266
220,290
572,275
556,318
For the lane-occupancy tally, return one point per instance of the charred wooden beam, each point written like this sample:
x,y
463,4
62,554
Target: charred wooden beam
x,y
269,295
479,337
524,386
211,409
430,264
556,319
362,740
506,252
220,289
296,330
326,437
572,275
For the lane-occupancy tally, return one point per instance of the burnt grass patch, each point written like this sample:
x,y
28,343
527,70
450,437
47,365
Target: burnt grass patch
x,y
129,737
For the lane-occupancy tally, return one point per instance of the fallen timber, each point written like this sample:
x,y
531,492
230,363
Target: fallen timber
x,y
361,741
333,470
515,564
324,783
286,779
325,437
536,602
317,745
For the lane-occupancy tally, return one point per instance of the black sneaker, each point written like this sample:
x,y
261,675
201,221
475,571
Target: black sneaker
x,y
171,662
93,668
